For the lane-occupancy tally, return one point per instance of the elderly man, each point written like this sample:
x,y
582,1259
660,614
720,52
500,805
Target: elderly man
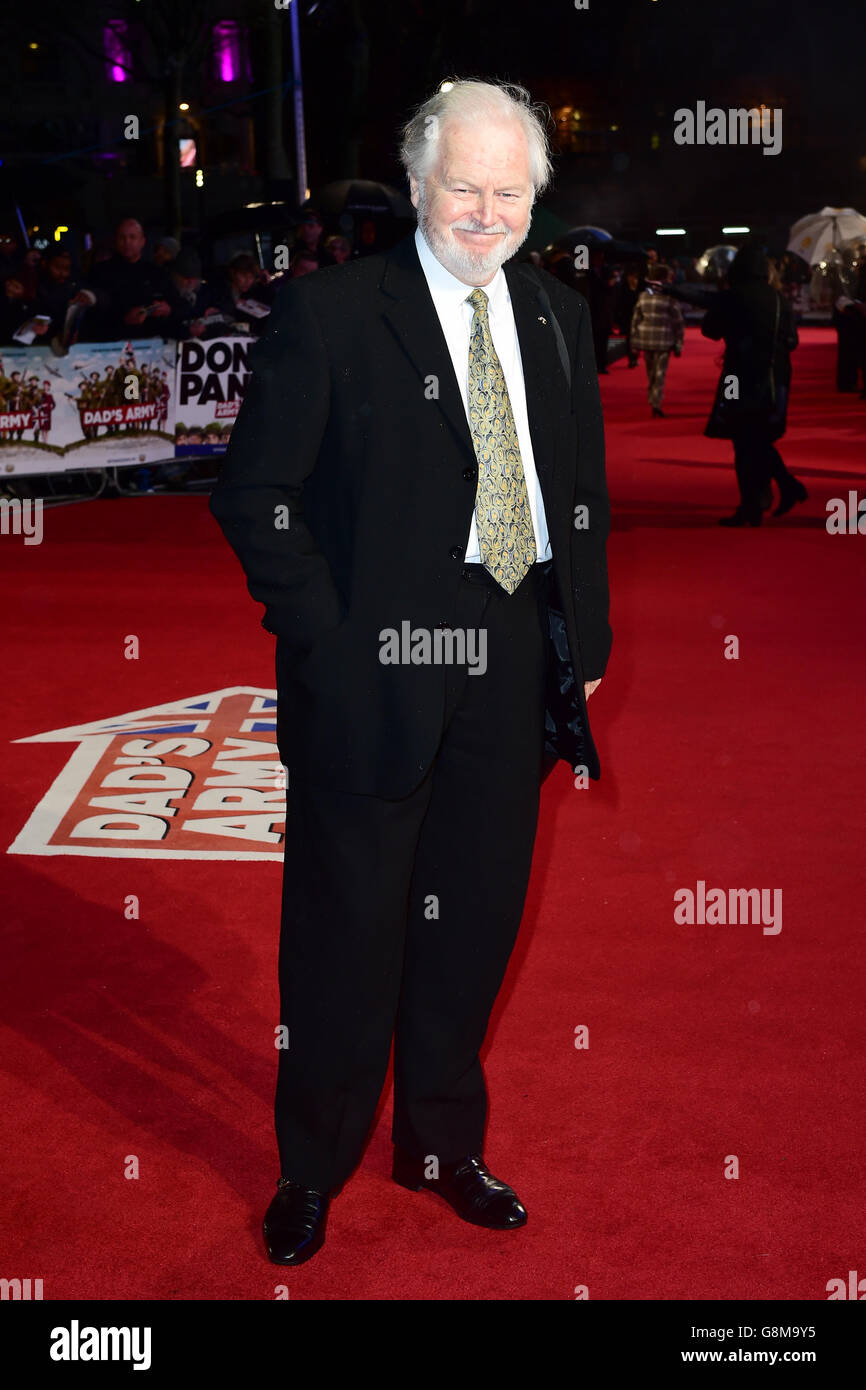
x,y
415,488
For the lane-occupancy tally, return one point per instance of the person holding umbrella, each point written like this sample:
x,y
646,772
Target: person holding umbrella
x,y
816,239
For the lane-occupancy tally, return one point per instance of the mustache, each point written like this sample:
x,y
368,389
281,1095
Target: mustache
x,y
485,231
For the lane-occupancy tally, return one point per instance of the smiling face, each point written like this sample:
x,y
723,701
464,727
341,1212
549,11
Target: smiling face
x,y
475,204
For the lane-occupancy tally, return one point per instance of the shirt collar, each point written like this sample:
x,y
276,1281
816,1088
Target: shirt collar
x,y
447,289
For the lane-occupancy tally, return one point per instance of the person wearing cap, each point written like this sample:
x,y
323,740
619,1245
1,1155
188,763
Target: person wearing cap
x,y
165,251
186,320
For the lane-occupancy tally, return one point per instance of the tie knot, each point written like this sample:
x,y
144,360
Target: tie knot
x,y
478,300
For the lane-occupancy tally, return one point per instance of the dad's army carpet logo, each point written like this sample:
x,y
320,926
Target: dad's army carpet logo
x,y
192,779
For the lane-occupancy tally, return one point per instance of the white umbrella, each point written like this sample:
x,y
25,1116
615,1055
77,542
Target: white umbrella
x,y
815,233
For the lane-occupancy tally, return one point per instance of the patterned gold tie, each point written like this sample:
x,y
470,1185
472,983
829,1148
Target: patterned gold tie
x,y
506,537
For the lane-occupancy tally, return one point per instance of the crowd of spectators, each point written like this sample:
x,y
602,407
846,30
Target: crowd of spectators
x,y
124,293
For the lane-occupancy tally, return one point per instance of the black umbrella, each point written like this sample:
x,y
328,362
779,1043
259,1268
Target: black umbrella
x,y
597,240
363,197
586,236
253,217
374,215
256,228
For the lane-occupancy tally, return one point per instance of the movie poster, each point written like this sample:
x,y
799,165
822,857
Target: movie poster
x,y
211,377
102,405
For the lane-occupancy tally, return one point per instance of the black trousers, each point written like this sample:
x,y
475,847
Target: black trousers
x,y
399,917
758,462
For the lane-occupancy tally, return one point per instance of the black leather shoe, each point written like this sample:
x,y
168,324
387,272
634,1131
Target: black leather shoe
x,y
294,1225
790,496
468,1186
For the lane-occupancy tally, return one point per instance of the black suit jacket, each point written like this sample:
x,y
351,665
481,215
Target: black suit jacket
x,y
347,493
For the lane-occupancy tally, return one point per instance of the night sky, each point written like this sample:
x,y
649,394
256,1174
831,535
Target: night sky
x,y
625,65
629,64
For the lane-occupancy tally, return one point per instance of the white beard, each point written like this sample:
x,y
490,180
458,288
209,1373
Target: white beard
x,y
472,267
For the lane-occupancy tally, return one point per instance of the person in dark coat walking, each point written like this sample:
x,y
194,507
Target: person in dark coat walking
x,y
625,297
594,285
757,325
849,316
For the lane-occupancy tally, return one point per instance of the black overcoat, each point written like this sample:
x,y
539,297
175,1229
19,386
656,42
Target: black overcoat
x,y
353,430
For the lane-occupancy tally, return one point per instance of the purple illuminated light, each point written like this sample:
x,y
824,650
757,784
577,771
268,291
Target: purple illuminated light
x,y
117,58
227,50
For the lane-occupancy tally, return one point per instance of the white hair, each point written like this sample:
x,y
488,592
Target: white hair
x,y
472,100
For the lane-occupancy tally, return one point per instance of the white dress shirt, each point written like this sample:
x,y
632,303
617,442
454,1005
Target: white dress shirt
x,y
455,315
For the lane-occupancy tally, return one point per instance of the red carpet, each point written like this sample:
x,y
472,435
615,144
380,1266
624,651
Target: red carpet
x,y
151,1038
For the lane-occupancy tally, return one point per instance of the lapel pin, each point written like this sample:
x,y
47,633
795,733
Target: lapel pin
x,y
542,319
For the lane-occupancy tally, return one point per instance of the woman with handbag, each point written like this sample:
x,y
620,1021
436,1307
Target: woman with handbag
x,y
757,325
